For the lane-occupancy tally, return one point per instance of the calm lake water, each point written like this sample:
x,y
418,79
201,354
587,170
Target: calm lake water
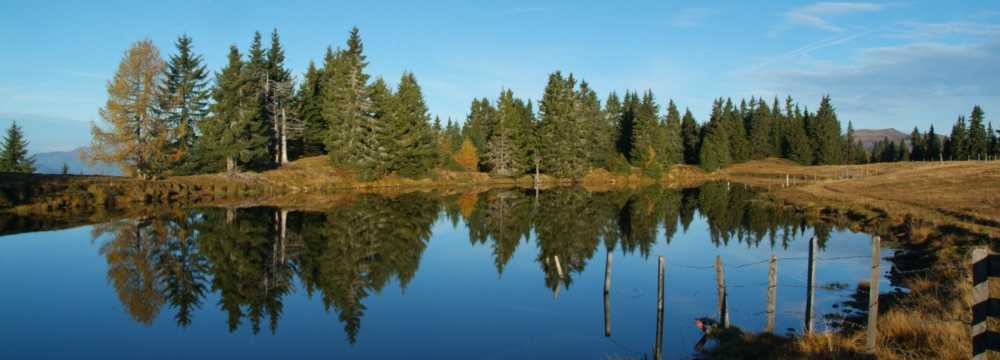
x,y
420,276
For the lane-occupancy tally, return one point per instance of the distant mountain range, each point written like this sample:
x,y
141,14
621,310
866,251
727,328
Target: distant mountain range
x,y
52,163
869,137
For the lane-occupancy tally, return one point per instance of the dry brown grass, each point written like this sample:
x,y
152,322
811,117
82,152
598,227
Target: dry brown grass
x,y
961,193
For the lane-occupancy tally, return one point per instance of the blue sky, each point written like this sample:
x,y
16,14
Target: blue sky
x,y
886,64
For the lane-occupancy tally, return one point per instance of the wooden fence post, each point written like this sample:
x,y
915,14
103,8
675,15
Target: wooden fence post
x,y
607,296
984,265
658,347
811,286
873,296
720,282
772,292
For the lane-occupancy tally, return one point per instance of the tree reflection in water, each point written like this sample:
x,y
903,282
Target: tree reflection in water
x,y
252,257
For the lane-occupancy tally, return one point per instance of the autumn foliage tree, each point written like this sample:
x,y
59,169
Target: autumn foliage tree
x,y
467,156
136,136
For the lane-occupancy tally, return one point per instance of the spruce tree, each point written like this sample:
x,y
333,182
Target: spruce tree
x,y
978,141
183,102
918,146
278,101
691,136
506,154
934,146
232,136
611,113
851,155
310,109
760,131
592,124
798,148
479,123
714,152
626,124
414,149
346,105
739,144
14,152
674,149
378,153
994,141
646,136
826,135
957,147
255,73
561,139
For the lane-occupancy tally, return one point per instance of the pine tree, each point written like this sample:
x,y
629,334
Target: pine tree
x,y
957,147
65,169
310,109
691,136
592,124
413,150
934,147
826,135
137,136
714,152
278,102
978,141
647,139
760,131
739,145
182,102
255,73
903,151
453,131
505,153
480,123
232,137
14,152
798,148
561,138
626,123
918,146
613,116
378,152
674,149
851,156
346,105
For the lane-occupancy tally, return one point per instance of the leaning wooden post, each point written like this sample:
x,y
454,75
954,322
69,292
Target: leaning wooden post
x,y
658,347
873,296
772,292
607,296
720,282
810,286
982,342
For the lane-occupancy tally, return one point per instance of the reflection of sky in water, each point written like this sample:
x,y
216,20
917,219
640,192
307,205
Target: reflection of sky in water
x,y
58,302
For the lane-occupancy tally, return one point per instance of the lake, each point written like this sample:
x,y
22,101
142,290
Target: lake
x,y
498,274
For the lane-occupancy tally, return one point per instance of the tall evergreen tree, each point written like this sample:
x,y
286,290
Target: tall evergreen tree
x,y
346,105
691,136
608,132
978,146
797,147
414,150
310,109
232,135
674,147
506,154
382,123
739,144
760,131
714,152
826,135
994,141
561,140
646,136
957,147
587,112
480,123
182,102
918,146
852,155
278,101
934,147
14,152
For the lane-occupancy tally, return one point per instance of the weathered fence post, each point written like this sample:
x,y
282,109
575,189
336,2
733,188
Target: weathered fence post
x,y
607,296
984,339
873,296
658,347
720,282
772,292
810,286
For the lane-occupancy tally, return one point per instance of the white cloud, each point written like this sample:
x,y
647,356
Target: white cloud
x,y
819,15
690,17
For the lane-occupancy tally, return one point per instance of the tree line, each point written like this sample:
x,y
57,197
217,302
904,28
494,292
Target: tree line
x,y
974,139
168,118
